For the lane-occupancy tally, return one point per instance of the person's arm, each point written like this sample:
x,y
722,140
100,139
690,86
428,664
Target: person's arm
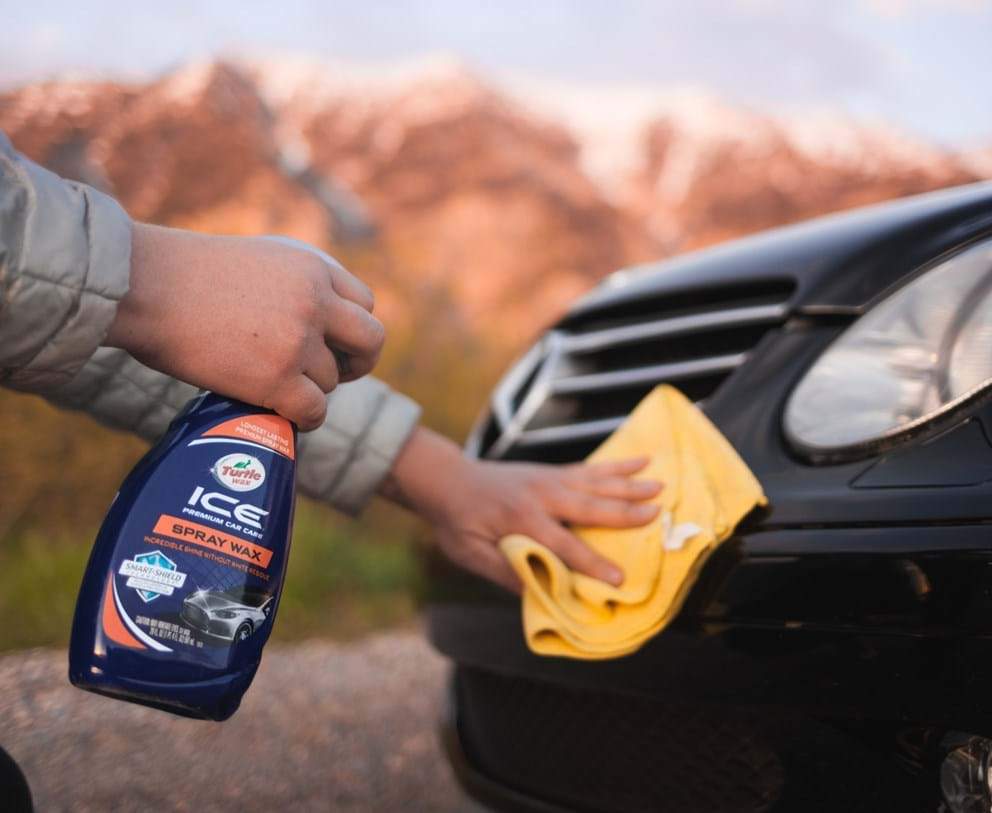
x,y
83,291
472,504
256,320
251,318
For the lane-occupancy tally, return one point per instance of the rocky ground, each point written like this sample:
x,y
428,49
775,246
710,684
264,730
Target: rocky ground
x,y
326,726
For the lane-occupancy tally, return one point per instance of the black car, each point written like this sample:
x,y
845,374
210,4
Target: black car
x,y
836,653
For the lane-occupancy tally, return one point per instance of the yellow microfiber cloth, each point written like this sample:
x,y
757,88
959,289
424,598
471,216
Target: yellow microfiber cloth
x,y
708,489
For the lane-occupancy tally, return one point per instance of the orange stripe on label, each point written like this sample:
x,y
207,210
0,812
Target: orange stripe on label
x,y
267,430
113,627
208,537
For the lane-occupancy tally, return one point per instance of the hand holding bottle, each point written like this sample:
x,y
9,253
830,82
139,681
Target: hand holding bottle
x,y
265,321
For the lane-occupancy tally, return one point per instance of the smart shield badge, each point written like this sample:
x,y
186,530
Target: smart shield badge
x,y
152,575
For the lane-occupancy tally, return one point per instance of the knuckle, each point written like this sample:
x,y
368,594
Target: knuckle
x,y
586,502
367,295
377,333
537,480
290,360
590,561
333,377
315,270
276,371
308,308
312,412
294,330
566,543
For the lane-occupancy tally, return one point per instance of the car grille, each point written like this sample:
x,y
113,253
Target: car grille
x,y
582,378
586,750
595,751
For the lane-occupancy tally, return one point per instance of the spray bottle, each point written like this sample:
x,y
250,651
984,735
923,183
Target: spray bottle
x,y
183,582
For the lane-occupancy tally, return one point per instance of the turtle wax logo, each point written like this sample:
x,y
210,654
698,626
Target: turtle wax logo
x,y
239,472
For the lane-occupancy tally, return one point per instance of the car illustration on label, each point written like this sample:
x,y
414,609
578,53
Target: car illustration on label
x,y
229,614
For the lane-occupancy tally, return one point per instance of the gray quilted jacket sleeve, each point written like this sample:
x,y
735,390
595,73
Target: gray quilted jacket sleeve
x,y
64,258
65,254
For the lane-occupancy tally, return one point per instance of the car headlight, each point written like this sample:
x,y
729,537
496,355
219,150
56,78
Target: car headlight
x,y
922,351
225,614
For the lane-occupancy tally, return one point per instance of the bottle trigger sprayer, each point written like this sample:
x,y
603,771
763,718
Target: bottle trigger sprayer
x,y
183,582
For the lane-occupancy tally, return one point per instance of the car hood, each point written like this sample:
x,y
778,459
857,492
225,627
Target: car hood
x,y
839,263
206,601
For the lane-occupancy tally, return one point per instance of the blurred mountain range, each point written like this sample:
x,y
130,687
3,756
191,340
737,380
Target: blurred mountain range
x,y
501,200
475,208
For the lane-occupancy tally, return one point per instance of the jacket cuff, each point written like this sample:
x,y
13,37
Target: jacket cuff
x,y
345,460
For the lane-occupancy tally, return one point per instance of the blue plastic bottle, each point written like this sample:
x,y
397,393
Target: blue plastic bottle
x,y
184,580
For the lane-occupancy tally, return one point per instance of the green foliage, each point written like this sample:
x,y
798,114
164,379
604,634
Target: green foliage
x,y
345,578
59,472
39,579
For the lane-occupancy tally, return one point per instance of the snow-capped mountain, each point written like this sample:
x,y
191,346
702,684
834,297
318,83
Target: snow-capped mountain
x,y
506,196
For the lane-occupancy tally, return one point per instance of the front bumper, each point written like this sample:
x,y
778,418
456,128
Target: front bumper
x,y
519,745
202,621
813,653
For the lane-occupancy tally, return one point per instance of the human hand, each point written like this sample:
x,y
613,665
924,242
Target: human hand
x,y
472,504
249,317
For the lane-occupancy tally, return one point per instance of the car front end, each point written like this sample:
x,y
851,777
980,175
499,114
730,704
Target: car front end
x,y
835,653
215,613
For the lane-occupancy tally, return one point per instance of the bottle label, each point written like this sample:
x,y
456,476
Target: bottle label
x,y
200,558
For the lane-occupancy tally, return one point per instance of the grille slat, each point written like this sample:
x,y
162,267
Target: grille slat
x,y
645,375
659,328
582,378
564,434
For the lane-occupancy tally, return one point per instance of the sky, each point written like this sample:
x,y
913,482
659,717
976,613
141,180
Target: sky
x,y
924,66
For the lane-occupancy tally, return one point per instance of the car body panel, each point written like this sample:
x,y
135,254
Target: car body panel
x,y
841,262
861,594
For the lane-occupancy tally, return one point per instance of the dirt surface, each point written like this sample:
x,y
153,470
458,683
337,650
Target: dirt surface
x,y
325,726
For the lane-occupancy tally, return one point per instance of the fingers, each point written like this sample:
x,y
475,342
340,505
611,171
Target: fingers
x,y
348,286
353,330
582,508
610,468
575,553
484,560
321,367
491,564
612,479
302,401
619,488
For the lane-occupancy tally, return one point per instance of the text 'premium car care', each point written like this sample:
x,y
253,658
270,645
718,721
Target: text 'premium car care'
x,y
183,582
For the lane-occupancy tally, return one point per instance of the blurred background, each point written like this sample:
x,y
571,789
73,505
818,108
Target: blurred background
x,y
479,165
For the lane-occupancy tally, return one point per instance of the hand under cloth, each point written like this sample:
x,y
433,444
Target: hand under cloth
x,y
708,489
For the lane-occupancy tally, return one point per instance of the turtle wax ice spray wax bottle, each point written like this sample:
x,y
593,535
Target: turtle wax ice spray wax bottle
x,y
183,582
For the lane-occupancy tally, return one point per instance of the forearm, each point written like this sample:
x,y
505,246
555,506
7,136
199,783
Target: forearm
x,y
425,473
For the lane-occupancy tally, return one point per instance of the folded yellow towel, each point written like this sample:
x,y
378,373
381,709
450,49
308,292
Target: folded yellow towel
x,y
708,490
